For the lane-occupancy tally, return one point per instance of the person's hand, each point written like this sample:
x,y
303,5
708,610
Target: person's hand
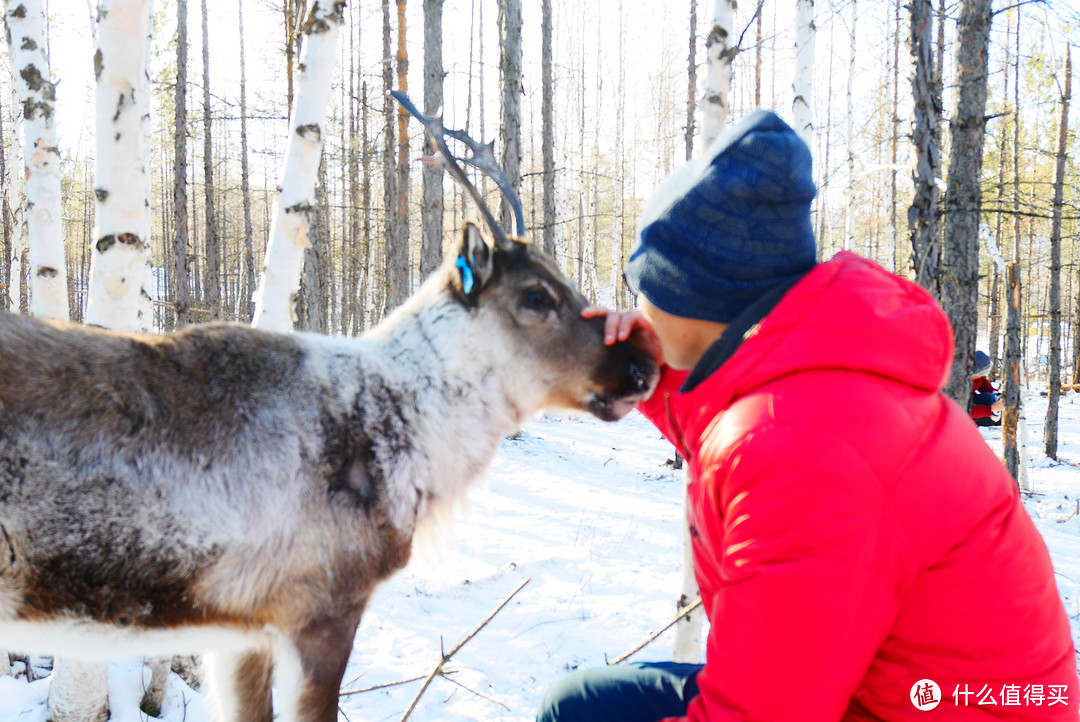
x,y
628,326
997,406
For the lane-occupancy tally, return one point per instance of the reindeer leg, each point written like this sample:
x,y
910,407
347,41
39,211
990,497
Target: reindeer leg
x,y
240,685
321,649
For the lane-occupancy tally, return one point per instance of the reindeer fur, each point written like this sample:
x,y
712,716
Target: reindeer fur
x,y
231,490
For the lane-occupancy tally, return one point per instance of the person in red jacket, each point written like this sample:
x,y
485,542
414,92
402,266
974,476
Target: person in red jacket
x,y
861,552
986,404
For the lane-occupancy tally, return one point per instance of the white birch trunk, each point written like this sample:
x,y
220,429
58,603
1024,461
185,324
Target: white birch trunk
x,y
849,208
721,51
119,296
803,85
118,293
16,197
295,204
78,692
37,93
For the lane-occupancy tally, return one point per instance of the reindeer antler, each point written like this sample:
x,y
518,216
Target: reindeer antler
x,y
482,158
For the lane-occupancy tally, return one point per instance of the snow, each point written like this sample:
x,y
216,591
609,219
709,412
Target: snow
x,y
590,512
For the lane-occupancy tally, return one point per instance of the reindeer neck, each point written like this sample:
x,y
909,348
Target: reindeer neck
x,y
425,372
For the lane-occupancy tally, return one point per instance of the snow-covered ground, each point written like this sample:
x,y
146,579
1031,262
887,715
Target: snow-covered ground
x,y
590,513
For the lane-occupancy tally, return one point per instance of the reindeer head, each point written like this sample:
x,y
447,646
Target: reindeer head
x,y
521,291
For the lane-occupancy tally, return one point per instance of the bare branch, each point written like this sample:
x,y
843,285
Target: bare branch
x,y
446,657
652,637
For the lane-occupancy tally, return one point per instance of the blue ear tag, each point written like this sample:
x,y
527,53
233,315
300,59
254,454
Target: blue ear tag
x,y
466,275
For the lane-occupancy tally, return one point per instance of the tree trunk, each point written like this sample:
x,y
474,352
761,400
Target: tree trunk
x,y
691,83
1010,446
213,242
154,696
15,199
510,125
1054,373
722,48
295,203
922,214
547,113
431,214
850,206
247,286
5,234
803,86
78,692
355,291
893,230
996,284
960,253
45,221
181,262
398,239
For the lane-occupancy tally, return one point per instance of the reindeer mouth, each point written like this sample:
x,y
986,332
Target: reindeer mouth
x,y
638,386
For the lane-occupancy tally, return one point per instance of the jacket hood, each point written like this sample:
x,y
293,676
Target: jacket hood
x,y
846,314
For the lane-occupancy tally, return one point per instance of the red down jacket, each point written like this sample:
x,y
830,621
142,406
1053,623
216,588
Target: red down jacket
x,y
853,532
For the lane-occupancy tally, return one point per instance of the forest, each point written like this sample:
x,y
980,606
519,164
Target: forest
x,y
941,133
597,103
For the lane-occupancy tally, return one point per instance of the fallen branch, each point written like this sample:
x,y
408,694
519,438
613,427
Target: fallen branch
x,y
446,656
654,635
380,686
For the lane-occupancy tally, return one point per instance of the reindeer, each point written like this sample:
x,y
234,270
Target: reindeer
x,y
228,490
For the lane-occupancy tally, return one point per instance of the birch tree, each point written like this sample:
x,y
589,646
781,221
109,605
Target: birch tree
x,y
295,202
1054,371
120,261
398,245
431,216
15,199
44,212
721,51
803,86
960,252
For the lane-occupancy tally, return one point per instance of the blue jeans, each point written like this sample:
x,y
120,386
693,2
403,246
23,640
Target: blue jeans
x,y
621,693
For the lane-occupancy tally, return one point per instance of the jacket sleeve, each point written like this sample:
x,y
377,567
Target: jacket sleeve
x,y
805,586
655,407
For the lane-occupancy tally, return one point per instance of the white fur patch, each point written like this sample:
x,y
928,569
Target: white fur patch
x,y
102,642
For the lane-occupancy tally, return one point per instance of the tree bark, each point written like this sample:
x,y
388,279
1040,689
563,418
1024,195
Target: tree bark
x,y
181,261
295,203
960,253
15,198
1054,372
78,692
922,214
803,86
431,215
44,211
691,83
547,113
212,240
850,206
721,51
247,286
510,125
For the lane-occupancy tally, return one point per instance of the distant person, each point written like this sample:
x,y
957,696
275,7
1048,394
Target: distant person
x,y
986,404
861,552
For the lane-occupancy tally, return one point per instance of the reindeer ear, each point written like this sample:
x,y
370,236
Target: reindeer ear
x,y
474,263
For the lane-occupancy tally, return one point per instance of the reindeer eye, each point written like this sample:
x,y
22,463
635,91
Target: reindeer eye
x,y
538,299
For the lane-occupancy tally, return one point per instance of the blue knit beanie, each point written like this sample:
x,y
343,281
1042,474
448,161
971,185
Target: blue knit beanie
x,y
728,226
